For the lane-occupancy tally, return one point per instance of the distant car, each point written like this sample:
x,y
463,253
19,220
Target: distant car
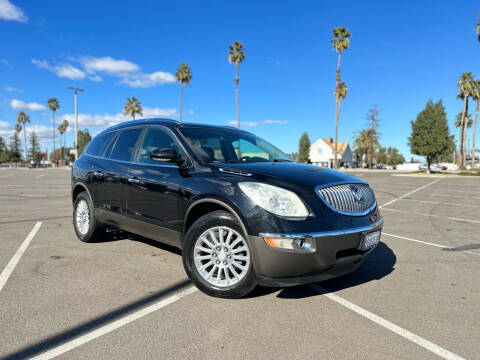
x,y
433,167
242,212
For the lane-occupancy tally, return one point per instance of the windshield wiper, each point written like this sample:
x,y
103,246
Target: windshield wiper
x,y
282,160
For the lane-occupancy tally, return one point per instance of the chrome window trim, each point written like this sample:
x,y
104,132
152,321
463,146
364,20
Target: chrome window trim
x,y
348,213
361,229
144,128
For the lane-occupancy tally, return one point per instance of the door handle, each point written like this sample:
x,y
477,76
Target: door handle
x,y
98,174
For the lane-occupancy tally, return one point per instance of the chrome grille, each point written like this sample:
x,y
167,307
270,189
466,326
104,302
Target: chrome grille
x,y
349,199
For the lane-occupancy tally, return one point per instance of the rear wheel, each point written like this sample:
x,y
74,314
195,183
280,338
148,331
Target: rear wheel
x,y
87,228
217,256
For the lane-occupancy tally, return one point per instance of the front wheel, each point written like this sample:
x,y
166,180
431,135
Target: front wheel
x,y
217,257
87,228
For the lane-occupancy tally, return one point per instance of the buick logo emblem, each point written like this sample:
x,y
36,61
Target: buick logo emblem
x,y
357,195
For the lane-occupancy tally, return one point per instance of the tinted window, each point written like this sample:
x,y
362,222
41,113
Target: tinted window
x,y
98,144
154,139
125,145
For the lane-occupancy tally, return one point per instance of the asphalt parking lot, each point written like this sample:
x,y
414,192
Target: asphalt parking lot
x,y
416,297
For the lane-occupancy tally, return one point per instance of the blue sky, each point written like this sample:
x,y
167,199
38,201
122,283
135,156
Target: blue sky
x,y
401,54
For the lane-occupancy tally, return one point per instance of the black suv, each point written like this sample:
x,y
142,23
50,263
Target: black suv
x,y
242,212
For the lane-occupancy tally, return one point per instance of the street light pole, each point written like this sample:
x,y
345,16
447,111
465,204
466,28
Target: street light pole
x,y
76,117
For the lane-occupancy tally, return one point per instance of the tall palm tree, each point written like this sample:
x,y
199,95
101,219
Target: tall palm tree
x,y
184,76
465,88
340,93
477,27
236,55
340,43
23,119
61,130
53,104
132,107
476,97
65,125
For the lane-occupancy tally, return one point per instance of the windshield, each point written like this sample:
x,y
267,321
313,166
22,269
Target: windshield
x,y
217,145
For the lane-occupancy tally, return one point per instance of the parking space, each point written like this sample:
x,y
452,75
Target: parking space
x,y
416,297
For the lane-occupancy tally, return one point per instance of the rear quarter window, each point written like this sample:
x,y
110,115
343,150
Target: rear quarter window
x,y
98,144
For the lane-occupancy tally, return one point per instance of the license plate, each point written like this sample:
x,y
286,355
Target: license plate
x,y
369,240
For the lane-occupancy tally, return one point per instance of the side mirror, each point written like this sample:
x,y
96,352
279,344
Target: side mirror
x,y
165,155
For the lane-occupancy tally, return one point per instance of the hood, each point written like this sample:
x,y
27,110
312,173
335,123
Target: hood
x,y
301,178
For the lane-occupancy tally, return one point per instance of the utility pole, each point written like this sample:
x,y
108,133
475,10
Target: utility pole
x,y
76,117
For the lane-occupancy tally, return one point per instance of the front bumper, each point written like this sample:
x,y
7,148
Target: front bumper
x,y
336,254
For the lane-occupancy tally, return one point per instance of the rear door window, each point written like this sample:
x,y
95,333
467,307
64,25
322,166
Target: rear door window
x,y
98,144
124,147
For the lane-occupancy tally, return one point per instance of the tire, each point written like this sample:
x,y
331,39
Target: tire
x,y
224,274
87,228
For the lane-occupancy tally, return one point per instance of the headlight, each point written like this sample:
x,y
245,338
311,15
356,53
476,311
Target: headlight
x,y
274,199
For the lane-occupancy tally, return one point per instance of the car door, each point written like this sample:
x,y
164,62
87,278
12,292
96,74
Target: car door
x,y
154,188
111,173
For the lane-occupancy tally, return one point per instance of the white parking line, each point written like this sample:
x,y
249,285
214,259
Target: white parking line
x,y
39,176
16,258
438,350
4,176
428,243
50,354
409,193
456,196
441,203
431,215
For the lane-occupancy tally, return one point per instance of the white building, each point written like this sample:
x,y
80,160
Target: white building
x,y
322,152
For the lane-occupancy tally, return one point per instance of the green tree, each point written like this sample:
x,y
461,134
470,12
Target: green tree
x,y
23,119
16,145
465,87
132,107
34,151
394,157
430,134
236,55
3,145
83,140
340,43
373,123
476,97
53,104
184,77
341,92
477,28
361,141
304,148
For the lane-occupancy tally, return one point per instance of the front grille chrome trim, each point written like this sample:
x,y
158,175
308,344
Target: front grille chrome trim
x,y
339,197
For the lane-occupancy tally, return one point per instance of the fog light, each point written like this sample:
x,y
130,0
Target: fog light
x,y
295,244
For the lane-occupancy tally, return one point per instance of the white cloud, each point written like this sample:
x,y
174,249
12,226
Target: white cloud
x,y
105,120
21,105
44,133
242,123
4,124
65,70
95,78
12,89
191,112
274,121
8,11
5,62
108,65
141,80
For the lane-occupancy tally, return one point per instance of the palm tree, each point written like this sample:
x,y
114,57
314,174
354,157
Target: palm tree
x,y
65,125
23,119
459,123
340,93
361,143
465,88
53,105
236,55
184,76
366,141
477,27
61,130
132,107
476,97
340,43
